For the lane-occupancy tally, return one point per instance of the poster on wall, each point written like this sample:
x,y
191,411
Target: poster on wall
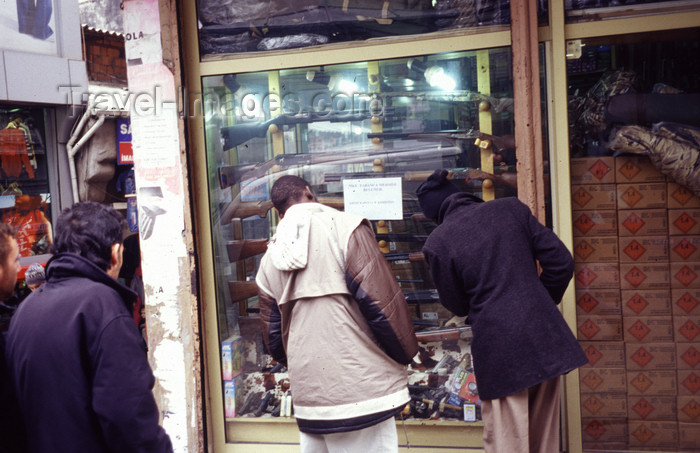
x,y
28,26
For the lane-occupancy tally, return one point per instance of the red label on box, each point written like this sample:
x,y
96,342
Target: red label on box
x,y
595,429
583,250
643,408
593,404
630,169
635,277
632,196
687,302
592,380
593,355
633,223
691,356
589,329
684,222
692,409
586,276
584,223
692,383
641,382
643,433
639,330
599,169
682,195
634,250
689,330
642,357
637,303
684,249
581,197
686,276
587,302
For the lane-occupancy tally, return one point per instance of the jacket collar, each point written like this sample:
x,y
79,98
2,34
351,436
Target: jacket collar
x,y
68,265
457,201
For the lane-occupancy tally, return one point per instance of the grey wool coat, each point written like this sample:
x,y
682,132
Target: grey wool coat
x,y
483,259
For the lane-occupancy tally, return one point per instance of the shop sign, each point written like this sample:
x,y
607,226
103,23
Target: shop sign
x,y
126,153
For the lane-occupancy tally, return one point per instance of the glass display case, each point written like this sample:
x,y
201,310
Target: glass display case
x,y
234,27
634,128
364,135
25,195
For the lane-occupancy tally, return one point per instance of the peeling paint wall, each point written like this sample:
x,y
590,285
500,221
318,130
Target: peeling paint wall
x,y
164,223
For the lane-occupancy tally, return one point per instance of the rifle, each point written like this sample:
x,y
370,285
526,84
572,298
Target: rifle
x,y
242,209
242,290
481,139
401,237
240,133
242,249
402,256
443,333
230,175
422,296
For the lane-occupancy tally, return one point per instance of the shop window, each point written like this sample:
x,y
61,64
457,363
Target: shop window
x,y
25,197
592,10
274,25
387,123
635,187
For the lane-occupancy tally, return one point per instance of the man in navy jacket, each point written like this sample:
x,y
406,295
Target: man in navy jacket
x,y
483,258
77,359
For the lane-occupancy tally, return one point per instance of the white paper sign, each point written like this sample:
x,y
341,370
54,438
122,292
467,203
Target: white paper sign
x,y
374,198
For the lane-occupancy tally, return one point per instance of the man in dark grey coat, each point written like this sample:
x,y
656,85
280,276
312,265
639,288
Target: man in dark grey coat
x,y
78,361
483,259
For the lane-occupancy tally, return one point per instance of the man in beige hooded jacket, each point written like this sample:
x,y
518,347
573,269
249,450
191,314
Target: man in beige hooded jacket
x,y
333,312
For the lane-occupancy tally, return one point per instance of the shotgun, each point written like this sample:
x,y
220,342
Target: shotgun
x,y
240,133
429,335
413,257
481,139
242,249
242,209
230,175
401,237
242,290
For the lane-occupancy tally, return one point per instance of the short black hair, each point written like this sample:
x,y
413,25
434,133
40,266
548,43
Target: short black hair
x,y
89,229
287,190
7,232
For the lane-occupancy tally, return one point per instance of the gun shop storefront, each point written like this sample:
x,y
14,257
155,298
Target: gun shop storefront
x,y
366,99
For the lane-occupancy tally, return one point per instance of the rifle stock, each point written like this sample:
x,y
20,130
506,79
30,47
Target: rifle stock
x,y
413,257
242,249
242,290
242,209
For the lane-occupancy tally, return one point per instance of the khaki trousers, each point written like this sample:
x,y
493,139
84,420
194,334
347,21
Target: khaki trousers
x,y
525,422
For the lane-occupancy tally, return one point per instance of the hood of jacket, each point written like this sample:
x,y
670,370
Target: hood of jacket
x,y
68,265
288,249
455,202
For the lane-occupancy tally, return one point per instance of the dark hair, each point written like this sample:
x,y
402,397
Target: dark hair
x,y
89,229
7,232
286,191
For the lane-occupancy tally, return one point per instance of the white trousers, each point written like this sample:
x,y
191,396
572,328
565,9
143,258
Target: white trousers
x,y
379,438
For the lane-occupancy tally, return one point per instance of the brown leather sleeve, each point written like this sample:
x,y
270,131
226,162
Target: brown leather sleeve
x,y
382,302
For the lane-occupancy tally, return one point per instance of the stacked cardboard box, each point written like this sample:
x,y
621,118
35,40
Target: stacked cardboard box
x,y
637,249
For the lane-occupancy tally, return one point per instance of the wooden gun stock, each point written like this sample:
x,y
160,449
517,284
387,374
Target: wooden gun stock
x,y
242,290
242,209
242,249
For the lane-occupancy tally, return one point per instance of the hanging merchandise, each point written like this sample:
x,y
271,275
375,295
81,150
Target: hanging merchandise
x,y
127,185
14,155
34,232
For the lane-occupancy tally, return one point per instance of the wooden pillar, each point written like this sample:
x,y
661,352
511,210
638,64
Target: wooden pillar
x,y
527,109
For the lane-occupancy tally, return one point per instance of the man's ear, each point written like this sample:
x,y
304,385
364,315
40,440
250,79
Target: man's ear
x,y
309,194
115,261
